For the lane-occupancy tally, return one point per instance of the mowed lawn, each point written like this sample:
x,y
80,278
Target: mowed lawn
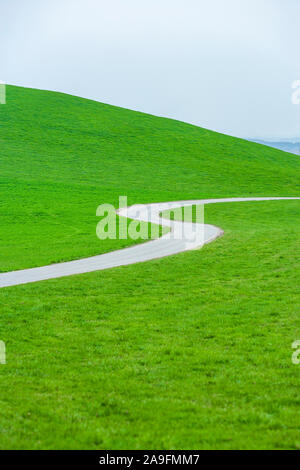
x,y
62,156
192,351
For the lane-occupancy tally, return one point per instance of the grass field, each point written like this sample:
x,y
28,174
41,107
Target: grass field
x,y
192,351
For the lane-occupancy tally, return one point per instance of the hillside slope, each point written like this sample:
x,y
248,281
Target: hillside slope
x,y
188,352
61,156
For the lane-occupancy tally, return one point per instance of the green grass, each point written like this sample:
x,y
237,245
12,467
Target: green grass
x,y
191,351
62,156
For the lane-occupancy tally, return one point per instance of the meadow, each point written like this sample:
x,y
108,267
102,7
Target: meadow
x,y
192,351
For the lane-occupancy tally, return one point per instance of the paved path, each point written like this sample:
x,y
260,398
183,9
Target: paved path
x,y
182,236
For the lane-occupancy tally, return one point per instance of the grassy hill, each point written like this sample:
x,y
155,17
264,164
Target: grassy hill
x,y
62,156
192,351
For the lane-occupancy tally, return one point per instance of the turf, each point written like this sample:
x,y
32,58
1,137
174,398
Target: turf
x,y
191,351
62,156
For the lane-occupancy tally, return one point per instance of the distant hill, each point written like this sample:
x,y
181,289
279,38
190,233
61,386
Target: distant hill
x,y
286,146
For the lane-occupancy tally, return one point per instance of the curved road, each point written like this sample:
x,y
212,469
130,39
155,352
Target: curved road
x,y
182,236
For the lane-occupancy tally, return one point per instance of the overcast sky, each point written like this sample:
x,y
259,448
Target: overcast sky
x,y
226,65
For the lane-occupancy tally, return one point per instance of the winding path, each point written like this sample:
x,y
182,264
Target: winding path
x,y
182,236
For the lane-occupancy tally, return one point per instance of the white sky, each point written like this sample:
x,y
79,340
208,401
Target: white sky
x,y
227,65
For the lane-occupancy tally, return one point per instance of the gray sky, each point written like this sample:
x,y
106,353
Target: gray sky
x,y
227,65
